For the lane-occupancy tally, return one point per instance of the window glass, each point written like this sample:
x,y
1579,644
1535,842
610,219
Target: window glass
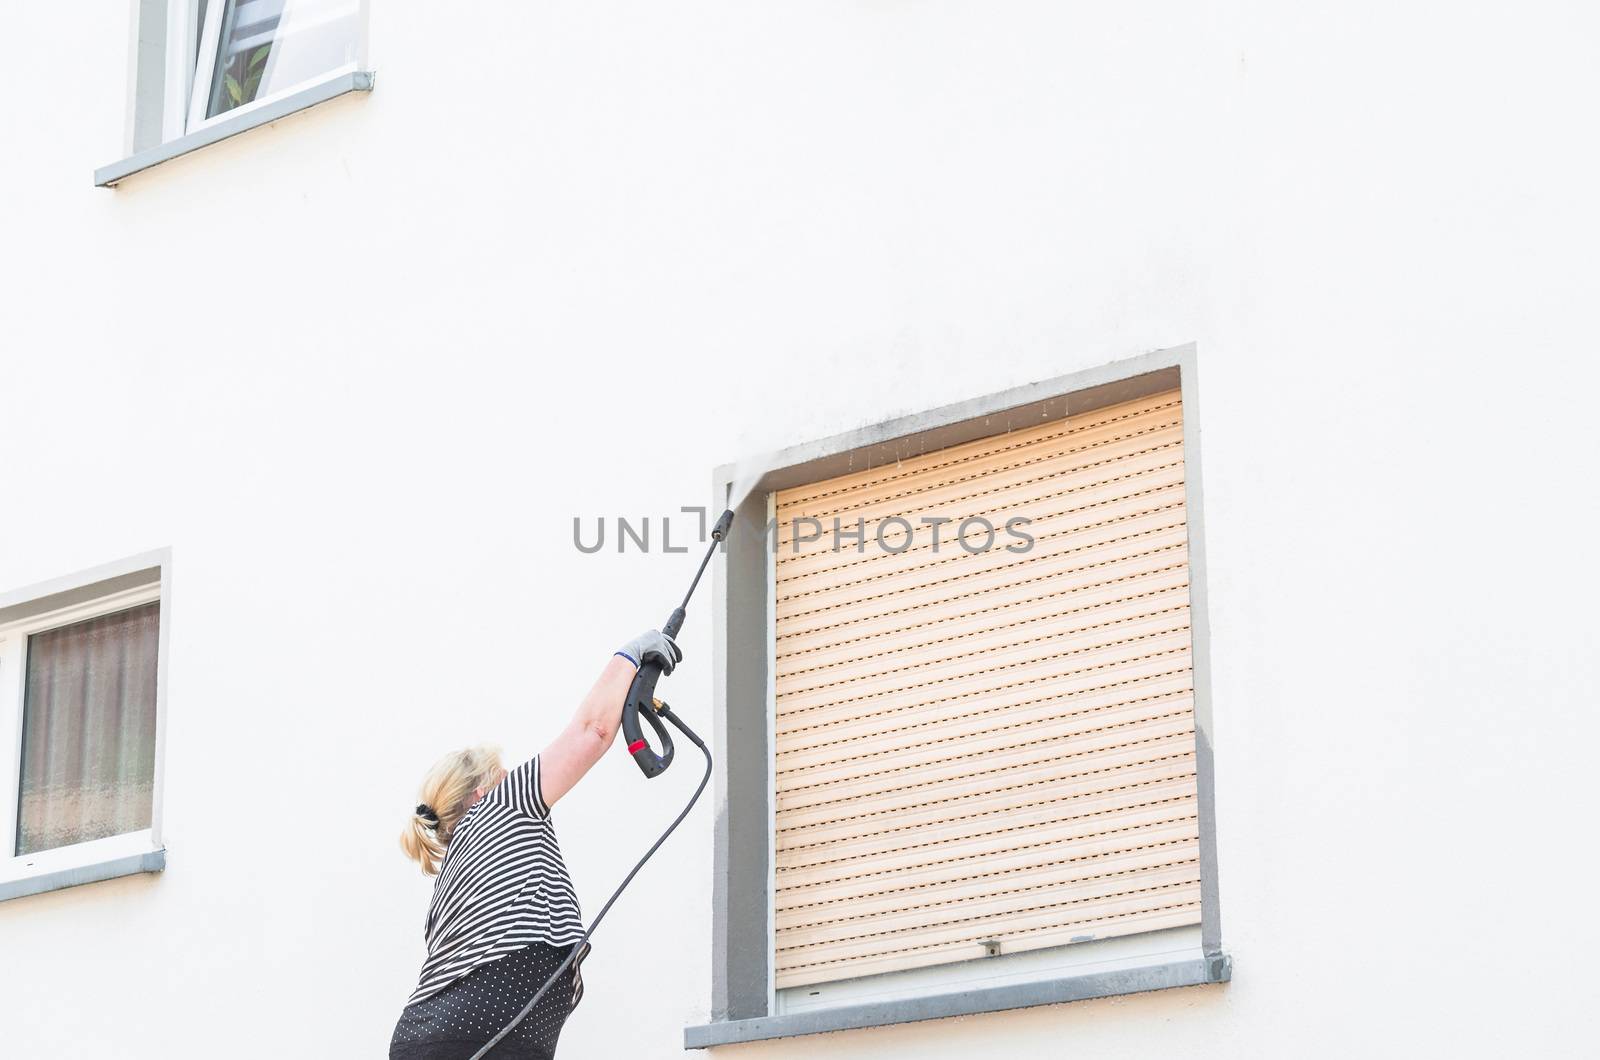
x,y
89,730
267,46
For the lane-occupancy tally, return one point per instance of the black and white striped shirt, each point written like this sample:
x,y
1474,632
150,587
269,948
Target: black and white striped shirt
x,y
502,885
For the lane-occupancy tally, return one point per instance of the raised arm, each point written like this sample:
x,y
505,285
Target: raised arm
x,y
594,726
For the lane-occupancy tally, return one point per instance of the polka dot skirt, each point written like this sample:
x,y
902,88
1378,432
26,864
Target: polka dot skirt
x,y
454,1023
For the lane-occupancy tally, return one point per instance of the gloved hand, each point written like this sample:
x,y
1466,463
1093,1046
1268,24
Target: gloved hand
x,y
653,644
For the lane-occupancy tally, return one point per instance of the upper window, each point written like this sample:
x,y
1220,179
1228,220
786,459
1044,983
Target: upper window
x,y
79,689
204,70
251,51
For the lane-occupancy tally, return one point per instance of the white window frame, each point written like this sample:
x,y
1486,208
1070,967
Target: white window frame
x,y
181,56
190,68
77,862
202,68
179,73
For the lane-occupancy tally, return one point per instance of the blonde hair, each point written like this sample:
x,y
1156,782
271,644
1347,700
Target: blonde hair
x,y
442,802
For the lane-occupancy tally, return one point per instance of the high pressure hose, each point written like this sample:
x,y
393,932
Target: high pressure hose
x,y
640,702
578,946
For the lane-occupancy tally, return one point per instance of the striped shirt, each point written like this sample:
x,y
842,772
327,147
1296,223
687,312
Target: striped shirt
x,y
502,885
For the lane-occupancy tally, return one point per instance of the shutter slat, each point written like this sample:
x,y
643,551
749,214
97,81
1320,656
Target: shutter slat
x,y
793,972
1146,533
1041,723
1120,854
947,463
1074,529
803,907
1096,679
992,655
1064,482
996,745
1002,923
956,619
1020,770
986,898
985,635
1142,781
1105,652
1041,780
1050,566
976,848
928,765
996,710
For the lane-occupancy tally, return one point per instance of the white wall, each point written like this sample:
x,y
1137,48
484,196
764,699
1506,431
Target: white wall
x,y
362,368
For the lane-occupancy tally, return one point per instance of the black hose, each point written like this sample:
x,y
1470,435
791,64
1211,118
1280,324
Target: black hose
x,y
577,947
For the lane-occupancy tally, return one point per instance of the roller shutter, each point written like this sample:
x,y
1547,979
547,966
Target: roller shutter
x,y
991,745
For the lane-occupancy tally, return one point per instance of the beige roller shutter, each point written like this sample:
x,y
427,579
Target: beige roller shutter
x,y
990,746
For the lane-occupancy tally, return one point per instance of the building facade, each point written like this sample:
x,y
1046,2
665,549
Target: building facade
x,y
369,376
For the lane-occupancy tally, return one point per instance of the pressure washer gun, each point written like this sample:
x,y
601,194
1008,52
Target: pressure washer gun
x,y
642,701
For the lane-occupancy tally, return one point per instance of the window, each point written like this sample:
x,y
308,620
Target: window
x,y
985,765
251,51
986,748
80,670
208,69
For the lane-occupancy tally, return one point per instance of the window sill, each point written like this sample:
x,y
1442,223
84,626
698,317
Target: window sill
x,y
321,92
1218,969
88,872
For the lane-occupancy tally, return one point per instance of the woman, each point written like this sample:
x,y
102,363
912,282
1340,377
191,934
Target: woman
x,y
504,915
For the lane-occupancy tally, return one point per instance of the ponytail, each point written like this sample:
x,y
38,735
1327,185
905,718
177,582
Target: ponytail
x,y
444,799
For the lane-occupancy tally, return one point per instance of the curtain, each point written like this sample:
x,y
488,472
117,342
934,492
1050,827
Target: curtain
x,y
89,730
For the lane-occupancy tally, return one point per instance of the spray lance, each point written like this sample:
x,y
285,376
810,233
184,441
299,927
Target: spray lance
x,y
641,703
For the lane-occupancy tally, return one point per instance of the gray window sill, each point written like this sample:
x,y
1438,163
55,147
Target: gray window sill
x,y
153,861
356,81
1218,969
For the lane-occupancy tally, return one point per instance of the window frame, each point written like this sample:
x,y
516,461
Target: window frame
x,y
176,77
49,605
182,53
745,1004
203,69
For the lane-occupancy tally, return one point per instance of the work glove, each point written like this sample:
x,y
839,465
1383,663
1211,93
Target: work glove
x,y
652,644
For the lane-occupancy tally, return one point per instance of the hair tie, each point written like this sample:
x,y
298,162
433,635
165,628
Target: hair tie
x,y
425,812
